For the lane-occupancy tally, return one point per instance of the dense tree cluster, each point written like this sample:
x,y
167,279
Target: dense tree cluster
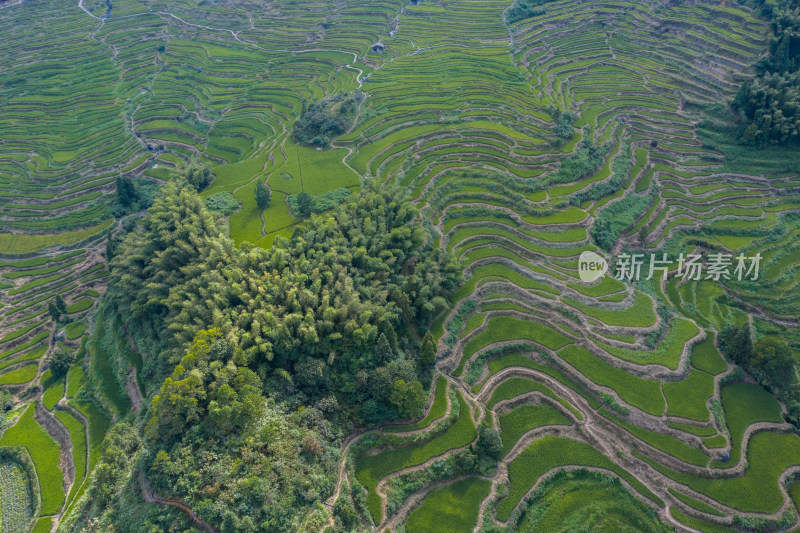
x,y
769,105
330,307
332,116
56,308
270,356
524,9
132,195
60,361
769,360
196,174
563,121
223,202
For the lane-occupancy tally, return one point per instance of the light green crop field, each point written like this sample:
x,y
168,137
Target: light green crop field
x,y
526,133
451,509
44,451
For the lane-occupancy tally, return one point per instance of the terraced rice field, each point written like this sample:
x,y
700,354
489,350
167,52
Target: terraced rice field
x,y
616,377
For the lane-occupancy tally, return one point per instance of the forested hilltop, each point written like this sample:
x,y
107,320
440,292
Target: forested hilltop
x,y
320,266
267,358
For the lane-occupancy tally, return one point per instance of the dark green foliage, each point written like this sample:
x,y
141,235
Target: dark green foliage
x,y
735,343
166,249
563,120
258,479
196,174
132,195
580,164
60,304
53,311
258,346
427,351
223,202
489,445
618,216
612,402
323,120
769,105
60,361
6,401
120,446
263,195
304,205
346,512
769,360
316,305
524,9
757,523
226,399
607,187
126,192
773,364
408,397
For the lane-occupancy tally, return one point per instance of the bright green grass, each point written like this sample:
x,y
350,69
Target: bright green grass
x,y
515,359
746,404
504,328
694,503
587,502
43,525
29,356
524,418
450,509
699,525
769,454
569,216
706,357
667,353
694,430
661,441
717,441
53,393
607,285
81,305
640,314
551,452
517,386
642,393
19,375
474,321
44,451
33,342
687,398
437,410
24,244
370,469
79,450
74,380
75,330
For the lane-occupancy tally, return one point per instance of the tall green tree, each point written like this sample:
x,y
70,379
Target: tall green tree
x,y
408,397
263,195
427,351
60,362
305,204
